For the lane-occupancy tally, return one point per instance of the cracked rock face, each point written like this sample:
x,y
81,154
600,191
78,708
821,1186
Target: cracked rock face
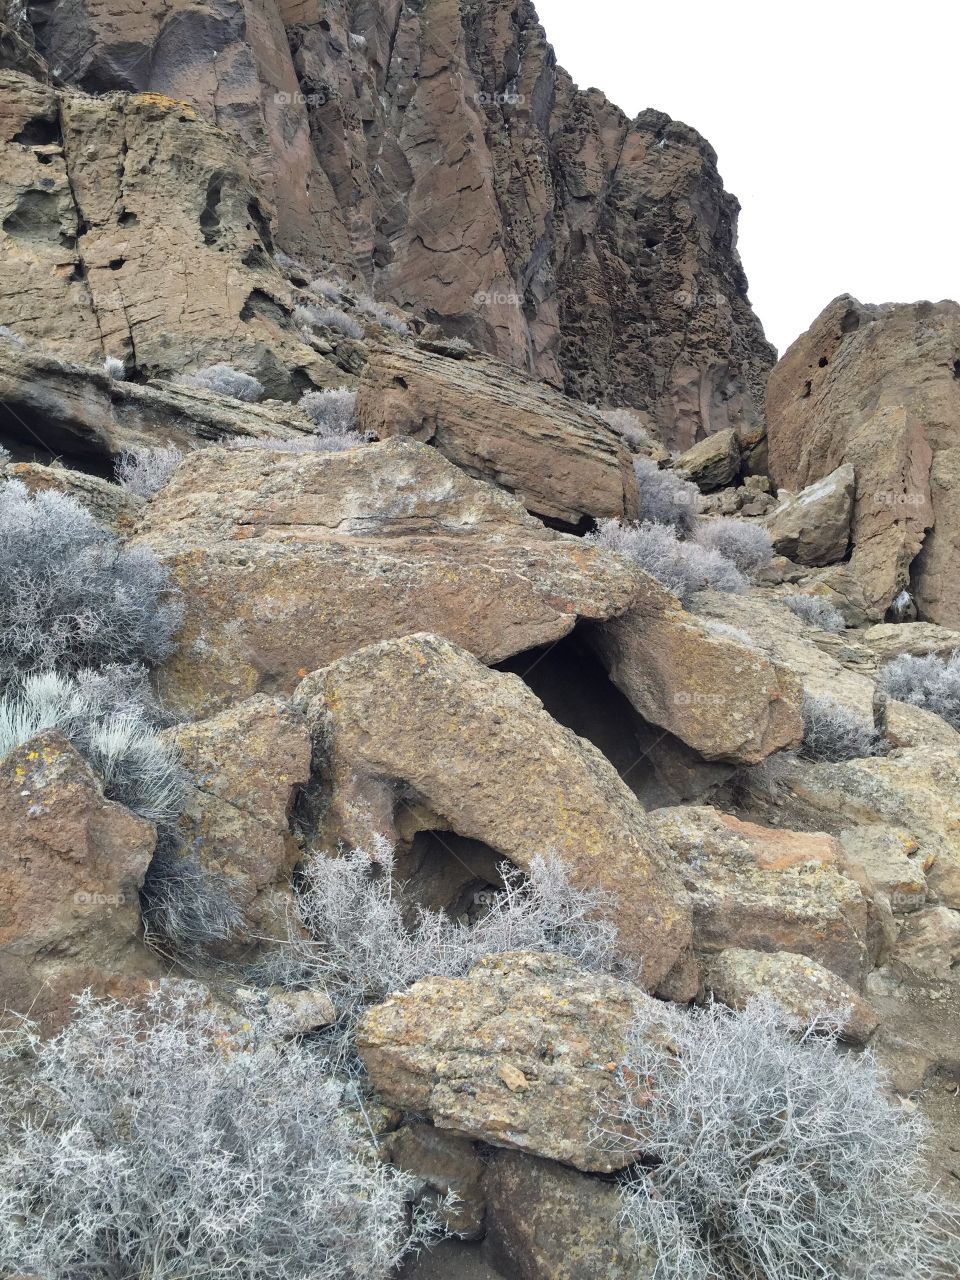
x,y
435,151
877,387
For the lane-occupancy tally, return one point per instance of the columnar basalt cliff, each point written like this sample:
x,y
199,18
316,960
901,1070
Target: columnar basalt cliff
x,y
431,148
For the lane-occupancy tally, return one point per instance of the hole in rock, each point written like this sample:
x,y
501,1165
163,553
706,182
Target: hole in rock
x,y
956,368
443,871
126,218
576,690
209,216
822,362
39,132
116,263
807,388
850,322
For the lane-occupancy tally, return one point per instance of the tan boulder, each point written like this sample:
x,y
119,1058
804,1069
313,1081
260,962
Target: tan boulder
x,y
763,889
726,699
712,463
887,860
550,1222
71,867
929,942
801,986
520,1053
245,766
875,386
477,750
287,562
560,458
813,526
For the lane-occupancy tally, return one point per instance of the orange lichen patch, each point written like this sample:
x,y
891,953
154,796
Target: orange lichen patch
x,y
776,850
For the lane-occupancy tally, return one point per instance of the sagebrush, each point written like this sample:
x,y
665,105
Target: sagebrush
x,y
328,318
225,381
815,611
169,1141
70,595
382,314
145,471
930,682
135,765
746,545
334,414
683,567
630,427
184,907
666,498
769,1154
833,733
114,367
358,946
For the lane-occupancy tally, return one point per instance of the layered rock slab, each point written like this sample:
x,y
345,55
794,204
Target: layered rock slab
x,y
477,749
521,1053
71,867
559,458
813,527
288,562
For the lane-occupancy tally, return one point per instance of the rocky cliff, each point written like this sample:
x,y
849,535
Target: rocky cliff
x,y
432,150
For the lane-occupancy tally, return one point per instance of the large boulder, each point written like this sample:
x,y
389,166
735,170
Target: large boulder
x,y
813,526
549,1222
475,748
801,986
763,889
560,459
712,463
71,868
245,766
876,387
289,561
521,1053
724,697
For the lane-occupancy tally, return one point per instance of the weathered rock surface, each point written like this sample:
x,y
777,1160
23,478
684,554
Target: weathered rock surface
x,y
798,984
111,505
288,562
550,1222
727,700
71,867
763,889
813,526
914,791
712,462
245,766
520,1053
52,407
889,640
477,749
876,387
560,459
447,1164
444,155
132,227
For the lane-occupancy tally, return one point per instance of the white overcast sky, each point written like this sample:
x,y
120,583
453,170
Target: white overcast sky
x,y
836,125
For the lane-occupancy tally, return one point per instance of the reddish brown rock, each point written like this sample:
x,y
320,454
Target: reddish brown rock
x,y
245,766
71,867
876,387
763,889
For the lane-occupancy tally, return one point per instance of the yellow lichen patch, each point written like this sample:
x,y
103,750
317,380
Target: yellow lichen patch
x,y
167,104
